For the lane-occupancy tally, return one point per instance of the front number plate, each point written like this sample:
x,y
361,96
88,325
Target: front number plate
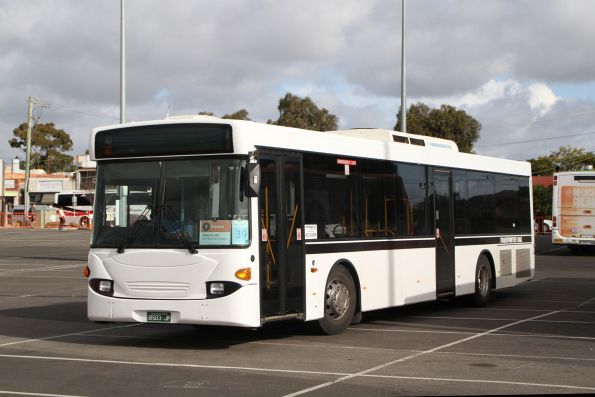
x,y
159,317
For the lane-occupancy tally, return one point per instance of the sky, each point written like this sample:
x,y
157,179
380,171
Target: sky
x,y
524,69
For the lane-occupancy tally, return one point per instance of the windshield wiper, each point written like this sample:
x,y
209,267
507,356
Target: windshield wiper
x,y
132,231
177,228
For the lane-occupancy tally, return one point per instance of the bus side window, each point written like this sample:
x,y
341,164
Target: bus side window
x,y
327,182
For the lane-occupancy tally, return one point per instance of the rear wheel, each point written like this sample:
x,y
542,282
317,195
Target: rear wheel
x,y
339,301
483,282
84,222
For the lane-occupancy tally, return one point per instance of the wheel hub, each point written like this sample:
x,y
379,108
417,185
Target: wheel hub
x,y
482,280
337,299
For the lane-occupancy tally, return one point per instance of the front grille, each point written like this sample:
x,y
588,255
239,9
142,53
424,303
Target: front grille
x,y
138,287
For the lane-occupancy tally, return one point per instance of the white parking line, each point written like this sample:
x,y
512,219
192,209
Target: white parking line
x,y
22,393
9,258
325,346
62,291
419,354
496,319
551,250
520,335
290,371
40,276
484,309
497,382
585,303
65,335
517,356
39,269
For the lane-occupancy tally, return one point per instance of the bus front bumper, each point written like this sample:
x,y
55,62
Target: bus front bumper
x,y
242,309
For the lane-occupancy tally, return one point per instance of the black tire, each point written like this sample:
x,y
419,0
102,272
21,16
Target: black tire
x,y
483,282
84,222
339,301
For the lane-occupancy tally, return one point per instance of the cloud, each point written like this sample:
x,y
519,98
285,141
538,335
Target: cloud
x,y
530,121
542,98
499,59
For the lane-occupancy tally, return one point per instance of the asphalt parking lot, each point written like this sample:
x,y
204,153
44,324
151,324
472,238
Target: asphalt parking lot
x,y
537,338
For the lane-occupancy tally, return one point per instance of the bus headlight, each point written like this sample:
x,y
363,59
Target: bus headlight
x,y
103,287
218,289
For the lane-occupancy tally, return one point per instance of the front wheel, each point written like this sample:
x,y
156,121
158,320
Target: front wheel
x,y
339,301
483,282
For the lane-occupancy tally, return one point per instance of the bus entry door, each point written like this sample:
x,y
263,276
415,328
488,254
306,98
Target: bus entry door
x,y
443,230
281,240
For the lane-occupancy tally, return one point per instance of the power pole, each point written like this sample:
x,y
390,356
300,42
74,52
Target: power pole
x,y
28,159
403,77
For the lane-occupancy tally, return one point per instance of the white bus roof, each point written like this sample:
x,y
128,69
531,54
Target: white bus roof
x,y
367,143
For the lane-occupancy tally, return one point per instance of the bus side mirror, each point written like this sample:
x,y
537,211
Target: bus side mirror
x,y
253,183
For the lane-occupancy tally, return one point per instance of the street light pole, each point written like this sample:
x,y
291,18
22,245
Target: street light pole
x,y
28,160
122,65
403,77
122,219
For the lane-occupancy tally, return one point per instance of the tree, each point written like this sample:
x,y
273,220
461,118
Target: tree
x,y
447,122
542,200
568,158
303,113
48,145
241,114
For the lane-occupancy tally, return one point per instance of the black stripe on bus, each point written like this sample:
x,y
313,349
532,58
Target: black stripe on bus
x,y
357,246
490,240
371,245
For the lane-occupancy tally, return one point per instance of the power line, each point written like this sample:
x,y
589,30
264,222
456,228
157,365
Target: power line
x,y
504,126
48,105
581,159
536,140
82,111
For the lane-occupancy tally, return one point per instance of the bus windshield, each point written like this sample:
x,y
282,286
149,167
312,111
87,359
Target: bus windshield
x,y
164,204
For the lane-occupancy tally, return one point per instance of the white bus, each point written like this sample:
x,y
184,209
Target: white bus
x,y
76,206
573,209
245,223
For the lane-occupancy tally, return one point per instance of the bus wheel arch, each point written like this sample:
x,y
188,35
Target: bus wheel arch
x,y
488,255
484,280
341,298
357,317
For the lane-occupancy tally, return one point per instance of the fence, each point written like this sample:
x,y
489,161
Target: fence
x,y
43,220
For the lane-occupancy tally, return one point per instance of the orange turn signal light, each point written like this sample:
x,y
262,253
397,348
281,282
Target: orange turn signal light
x,y
86,272
244,273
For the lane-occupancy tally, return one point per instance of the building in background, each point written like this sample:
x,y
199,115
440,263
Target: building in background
x,y
545,181
44,186
85,172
